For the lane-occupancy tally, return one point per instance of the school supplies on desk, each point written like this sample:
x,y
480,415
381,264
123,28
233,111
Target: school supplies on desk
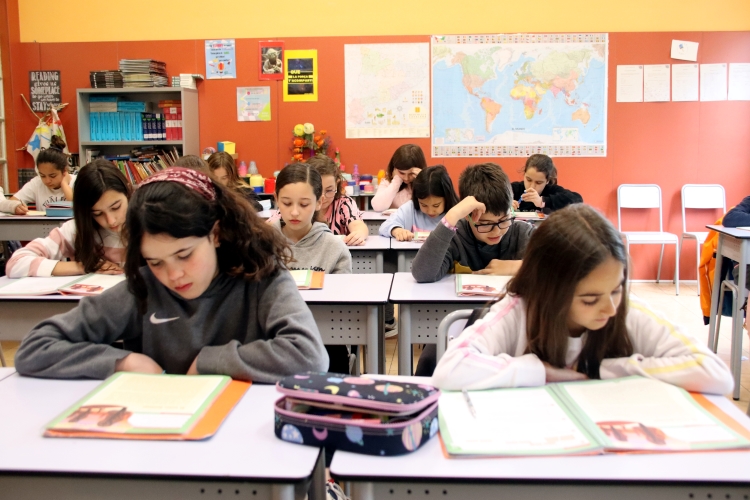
x,y
307,279
480,284
155,407
90,284
528,215
60,209
420,236
361,415
389,212
619,415
36,213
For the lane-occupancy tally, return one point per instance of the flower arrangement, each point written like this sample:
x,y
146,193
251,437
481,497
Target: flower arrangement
x,y
306,143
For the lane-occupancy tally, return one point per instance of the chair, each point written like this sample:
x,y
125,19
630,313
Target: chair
x,y
450,327
647,196
700,196
735,358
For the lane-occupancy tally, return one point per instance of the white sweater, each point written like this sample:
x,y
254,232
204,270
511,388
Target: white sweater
x,y
491,354
40,256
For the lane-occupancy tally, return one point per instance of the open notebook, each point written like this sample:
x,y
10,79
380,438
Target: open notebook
x,y
90,284
307,279
142,406
592,417
480,284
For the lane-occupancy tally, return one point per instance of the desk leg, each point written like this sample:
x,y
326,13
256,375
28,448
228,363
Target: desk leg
x,y
318,485
379,262
402,262
282,492
715,299
737,335
373,342
404,339
363,491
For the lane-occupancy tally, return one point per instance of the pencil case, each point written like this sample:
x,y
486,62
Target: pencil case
x,y
362,415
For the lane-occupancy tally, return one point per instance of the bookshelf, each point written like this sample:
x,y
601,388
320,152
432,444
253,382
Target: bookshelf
x,y
187,145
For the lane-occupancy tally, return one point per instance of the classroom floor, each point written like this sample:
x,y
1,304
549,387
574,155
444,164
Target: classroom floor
x,y
683,309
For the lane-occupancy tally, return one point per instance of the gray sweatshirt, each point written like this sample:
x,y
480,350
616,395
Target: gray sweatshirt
x,y
259,331
444,249
320,250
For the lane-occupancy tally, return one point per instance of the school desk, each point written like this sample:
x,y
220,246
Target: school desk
x,y
349,310
244,459
6,372
421,307
365,197
373,220
368,258
427,474
734,244
26,228
406,251
19,314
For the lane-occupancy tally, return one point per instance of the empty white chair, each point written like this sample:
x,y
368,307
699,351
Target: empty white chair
x,y
647,196
700,196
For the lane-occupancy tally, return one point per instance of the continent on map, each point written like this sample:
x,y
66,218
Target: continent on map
x,y
491,109
581,114
477,69
530,96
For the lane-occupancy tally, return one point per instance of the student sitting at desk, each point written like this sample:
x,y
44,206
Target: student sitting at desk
x,y
222,165
54,182
432,196
539,191
566,316
478,234
92,239
213,298
395,190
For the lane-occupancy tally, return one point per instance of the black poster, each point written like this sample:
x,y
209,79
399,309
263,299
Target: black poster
x,y
44,87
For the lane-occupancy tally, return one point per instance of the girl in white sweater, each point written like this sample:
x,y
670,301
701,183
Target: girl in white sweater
x,y
567,317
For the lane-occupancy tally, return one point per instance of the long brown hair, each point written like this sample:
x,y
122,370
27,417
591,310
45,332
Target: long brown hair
x,y
326,166
249,248
93,181
544,164
561,252
224,160
405,158
54,154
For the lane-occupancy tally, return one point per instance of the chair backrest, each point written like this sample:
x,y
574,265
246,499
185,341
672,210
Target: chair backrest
x,y
451,326
702,196
638,196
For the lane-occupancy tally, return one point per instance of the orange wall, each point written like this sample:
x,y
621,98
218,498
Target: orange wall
x,y
670,144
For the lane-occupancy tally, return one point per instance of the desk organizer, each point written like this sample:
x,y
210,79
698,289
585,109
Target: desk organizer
x,y
361,415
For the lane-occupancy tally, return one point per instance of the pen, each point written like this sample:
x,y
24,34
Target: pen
x,y
472,410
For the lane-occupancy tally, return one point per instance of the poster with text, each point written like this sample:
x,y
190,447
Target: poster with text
x,y
44,87
301,75
271,60
254,104
220,59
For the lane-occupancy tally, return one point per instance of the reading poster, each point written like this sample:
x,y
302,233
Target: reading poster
x,y
220,59
301,75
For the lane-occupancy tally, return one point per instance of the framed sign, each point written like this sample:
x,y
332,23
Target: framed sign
x,y
271,60
44,87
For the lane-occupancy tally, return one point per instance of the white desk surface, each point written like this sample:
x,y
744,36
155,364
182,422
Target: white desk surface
x,y
742,234
405,245
44,298
406,290
429,464
350,289
373,243
29,218
245,446
6,372
370,215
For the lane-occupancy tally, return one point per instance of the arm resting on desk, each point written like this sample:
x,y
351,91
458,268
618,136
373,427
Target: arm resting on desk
x,y
41,256
385,194
434,259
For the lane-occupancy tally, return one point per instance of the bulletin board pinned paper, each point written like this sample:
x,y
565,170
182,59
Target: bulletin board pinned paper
x,y
301,76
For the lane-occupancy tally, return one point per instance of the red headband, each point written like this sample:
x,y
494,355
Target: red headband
x,y
193,179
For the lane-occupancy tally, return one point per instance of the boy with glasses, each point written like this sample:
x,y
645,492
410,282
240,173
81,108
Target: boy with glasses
x,y
479,235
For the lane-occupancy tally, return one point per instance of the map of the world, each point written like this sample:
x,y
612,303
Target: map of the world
x,y
517,95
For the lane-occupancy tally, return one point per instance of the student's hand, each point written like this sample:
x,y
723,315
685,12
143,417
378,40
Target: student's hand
x,y
499,267
553,374
21,209
532,196
193,370
355,239
402,234
139,363
515,204
109,268
467,206
66,178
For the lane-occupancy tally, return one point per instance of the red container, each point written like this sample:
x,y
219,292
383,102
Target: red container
x,y
270,185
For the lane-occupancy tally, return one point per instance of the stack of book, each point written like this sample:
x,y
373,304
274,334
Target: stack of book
x,y
172,111
103,104
144,73
188,80
109,79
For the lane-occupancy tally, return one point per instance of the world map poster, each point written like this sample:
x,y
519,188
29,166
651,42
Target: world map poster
x,y
519,94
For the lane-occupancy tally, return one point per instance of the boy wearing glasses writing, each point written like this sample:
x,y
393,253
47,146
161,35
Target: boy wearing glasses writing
x,y
478,235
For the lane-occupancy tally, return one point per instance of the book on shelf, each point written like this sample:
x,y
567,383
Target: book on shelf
x,y
143,73
106,79
307,279
632,414
480,284
89,284
154,407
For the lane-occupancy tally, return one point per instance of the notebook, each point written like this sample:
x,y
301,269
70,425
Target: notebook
x,y
420,236
90,284
307,279
480,284
593,417
158,407
528,215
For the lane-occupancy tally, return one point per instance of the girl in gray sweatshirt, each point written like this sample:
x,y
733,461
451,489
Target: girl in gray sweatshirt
x,y
213,298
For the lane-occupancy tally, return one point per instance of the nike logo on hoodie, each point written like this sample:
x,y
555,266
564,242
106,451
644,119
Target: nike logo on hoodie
x,y
157,321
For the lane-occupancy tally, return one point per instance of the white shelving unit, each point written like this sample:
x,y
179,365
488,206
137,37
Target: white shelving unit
x,y
189,98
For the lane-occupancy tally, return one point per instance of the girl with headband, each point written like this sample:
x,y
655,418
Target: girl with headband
x,y
214,296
